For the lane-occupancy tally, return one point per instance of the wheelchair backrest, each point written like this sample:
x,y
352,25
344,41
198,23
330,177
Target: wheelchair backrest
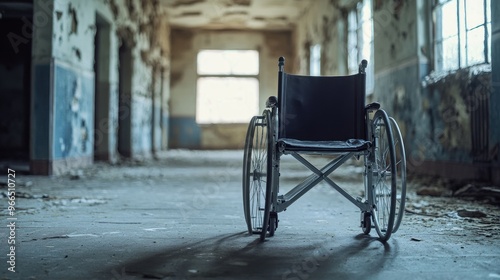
x,y
324,108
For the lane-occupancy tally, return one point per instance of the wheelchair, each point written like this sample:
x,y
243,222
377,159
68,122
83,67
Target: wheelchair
x,y
325,116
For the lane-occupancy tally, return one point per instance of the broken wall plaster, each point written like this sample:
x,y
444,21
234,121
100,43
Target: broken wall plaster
x,y
242,2
73,21
127,36
141,23
461,95
181,3
321,24
114,8
133,13
78,53
453,110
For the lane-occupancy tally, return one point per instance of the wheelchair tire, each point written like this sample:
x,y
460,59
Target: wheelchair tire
x,y
384,183
399,149
366,224
256,175
273,223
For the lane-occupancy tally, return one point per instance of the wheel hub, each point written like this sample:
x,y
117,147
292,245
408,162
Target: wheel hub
x,y
256,175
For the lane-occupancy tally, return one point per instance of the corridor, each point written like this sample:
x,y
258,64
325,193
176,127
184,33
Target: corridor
x,y
180,217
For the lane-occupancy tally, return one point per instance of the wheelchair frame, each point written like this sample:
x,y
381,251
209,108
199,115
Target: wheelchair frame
x,y
384,162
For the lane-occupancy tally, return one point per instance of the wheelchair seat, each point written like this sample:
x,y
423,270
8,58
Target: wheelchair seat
x,y
322,147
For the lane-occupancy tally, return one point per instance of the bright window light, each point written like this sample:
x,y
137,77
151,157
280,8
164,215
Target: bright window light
x,y
360,41
315,60
228,62
227,86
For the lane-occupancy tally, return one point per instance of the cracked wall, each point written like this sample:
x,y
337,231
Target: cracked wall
x,y
79,106
444,117
324,24
447,124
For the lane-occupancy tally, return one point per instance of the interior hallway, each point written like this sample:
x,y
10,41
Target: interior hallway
x,y
181,217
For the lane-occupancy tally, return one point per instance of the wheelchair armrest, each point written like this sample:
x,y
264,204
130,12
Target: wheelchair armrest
x,y
372,107
272,102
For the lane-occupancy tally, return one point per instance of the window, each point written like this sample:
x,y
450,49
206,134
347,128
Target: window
x,y
360,41
315,60
462,33
227,87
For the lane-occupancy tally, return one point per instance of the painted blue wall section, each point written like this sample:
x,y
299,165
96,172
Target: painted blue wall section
x,y
165,126
41,117
141,124
73,113
184,132
157,128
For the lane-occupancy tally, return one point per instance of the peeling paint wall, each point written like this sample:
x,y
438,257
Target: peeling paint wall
x,y
447,123
396,25
142,26
184,131
73,85
400,66
443,118
323,24
462,98
76,80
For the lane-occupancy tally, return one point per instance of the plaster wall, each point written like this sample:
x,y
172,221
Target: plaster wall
x,y
323,23
143,27
396,32
72,61
75,111
400,69
184,131
443,116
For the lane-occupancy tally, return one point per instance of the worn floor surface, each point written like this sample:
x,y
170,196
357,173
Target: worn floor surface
x,y
181,217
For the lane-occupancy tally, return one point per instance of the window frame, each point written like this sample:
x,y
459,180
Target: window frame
x,y
356,23
463,31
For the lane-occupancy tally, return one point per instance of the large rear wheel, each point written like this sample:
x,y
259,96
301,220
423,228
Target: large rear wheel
x,y
384,178
257,175
400,173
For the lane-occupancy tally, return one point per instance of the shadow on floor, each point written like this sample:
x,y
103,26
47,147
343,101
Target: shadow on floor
x,y
240,256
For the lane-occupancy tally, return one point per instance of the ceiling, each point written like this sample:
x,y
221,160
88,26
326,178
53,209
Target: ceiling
x,y
235,14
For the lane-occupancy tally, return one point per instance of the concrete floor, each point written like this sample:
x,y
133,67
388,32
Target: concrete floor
x,y
181,217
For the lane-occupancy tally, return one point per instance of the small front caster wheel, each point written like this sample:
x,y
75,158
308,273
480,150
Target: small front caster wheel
x,y
366,222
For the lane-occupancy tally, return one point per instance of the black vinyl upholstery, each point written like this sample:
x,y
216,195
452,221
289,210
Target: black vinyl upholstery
x,y
325,113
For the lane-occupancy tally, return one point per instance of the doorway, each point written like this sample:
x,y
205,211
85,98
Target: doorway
x,y
125,100
102,118
16,29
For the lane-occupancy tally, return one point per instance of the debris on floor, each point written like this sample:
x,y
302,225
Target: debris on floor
x,y
486,192
433,191
470,213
